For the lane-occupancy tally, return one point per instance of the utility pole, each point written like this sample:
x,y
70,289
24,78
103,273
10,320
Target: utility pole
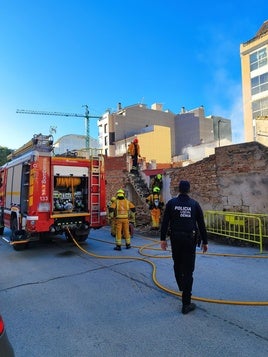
x,y
86,116
87,126
219,133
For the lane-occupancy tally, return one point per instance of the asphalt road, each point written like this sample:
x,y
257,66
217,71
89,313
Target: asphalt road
x,y
58,301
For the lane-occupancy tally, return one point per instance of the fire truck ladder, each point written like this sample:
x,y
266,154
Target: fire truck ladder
x,y
25,187
95,176
39,142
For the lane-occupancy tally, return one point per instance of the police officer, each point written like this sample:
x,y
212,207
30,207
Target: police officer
x,y
120,211
183,215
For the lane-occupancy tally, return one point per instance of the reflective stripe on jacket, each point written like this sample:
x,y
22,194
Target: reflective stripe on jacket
x,y
122,208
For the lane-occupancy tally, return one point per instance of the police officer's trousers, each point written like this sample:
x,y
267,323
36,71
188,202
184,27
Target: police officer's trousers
x,y
183,247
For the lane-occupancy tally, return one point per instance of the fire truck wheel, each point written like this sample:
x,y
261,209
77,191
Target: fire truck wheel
x,y
78,237
20,246
15,233
45,238
14,228
82,238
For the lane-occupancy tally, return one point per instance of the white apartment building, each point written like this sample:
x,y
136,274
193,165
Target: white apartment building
x,y
254,66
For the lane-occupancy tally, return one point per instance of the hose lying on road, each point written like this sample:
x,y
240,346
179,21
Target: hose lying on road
x,y
162,287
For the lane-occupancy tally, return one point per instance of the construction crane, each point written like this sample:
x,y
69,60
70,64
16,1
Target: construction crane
x,y
86,116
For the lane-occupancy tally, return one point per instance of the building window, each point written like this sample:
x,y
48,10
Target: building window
x,y
260,107
259,84
105,128
106,140
111,138
258,59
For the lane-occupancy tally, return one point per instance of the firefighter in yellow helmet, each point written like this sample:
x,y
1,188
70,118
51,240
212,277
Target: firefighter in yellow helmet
x,y
120,210
156,205
157,181
111,220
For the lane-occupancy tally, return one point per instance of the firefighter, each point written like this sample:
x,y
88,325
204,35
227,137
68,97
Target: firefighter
x,y
119,210
157,181
111,220
134,152
156,205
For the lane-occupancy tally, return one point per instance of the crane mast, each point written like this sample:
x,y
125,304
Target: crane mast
x,y
75,115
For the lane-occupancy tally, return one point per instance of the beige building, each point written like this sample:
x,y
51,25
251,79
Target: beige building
x,y
130,121
152,140
254,66
163,135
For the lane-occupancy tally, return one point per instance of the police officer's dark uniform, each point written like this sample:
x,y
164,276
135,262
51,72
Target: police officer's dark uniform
x,y
183,215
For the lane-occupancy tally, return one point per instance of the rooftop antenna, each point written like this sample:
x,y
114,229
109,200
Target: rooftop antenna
x,y
52,130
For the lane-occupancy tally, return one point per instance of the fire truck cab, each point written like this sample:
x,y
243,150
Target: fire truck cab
x,y
43,195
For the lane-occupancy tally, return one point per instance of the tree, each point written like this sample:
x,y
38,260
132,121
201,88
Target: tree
x,y
4,152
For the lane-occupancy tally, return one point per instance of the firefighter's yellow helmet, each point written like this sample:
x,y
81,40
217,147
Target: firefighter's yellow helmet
x,y
156,190
120,193
113,199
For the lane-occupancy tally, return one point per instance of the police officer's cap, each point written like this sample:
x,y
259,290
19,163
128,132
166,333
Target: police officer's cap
x,y
184,186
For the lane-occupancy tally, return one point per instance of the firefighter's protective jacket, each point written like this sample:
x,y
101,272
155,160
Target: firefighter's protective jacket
x,y
156,182
134,149
121,208
155,200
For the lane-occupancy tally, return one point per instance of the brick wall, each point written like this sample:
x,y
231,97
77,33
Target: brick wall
x,y
116,174
203,178
235,178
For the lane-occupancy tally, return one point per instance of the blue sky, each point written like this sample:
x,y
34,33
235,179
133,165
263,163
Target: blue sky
x,y
57,55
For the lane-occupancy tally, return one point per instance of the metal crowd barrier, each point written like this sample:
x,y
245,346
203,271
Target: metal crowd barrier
x,y
252,228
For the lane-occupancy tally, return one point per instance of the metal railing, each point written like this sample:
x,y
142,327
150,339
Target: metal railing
x,y
252,228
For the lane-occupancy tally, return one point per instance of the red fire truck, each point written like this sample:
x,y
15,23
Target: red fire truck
x,y
42,194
